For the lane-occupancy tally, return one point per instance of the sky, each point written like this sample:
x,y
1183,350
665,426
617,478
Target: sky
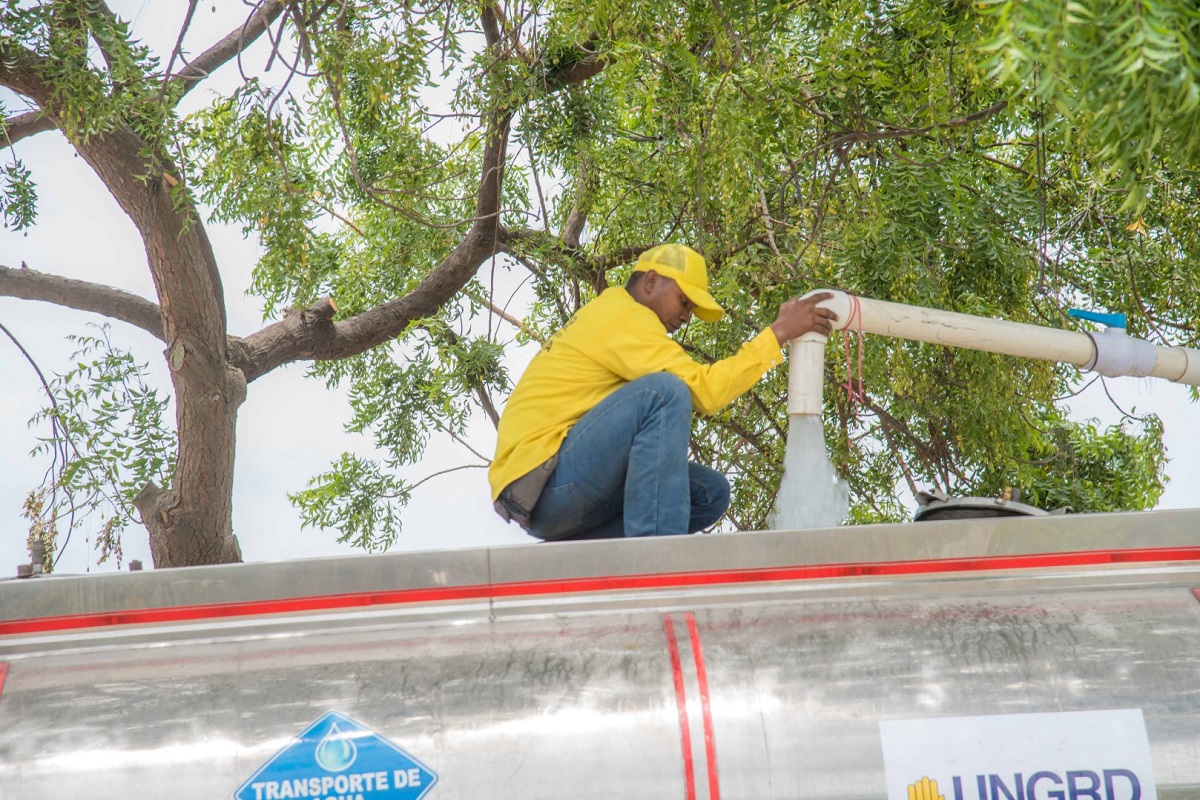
x,y
290,428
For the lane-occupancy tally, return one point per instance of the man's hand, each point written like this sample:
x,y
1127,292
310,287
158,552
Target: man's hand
x,y
798,316
924,789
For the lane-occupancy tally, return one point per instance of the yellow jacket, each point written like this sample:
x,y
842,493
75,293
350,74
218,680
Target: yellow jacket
x,y
612,340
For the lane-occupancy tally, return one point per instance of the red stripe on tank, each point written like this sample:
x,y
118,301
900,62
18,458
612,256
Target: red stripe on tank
x,y
685,733
607,583
710,743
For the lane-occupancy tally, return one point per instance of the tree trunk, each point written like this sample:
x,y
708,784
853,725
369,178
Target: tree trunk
x,y
192,522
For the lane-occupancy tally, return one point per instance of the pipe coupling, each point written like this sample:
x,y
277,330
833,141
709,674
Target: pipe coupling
x,y
1119,354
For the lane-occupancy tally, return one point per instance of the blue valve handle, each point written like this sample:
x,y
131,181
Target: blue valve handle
x,y
1111,320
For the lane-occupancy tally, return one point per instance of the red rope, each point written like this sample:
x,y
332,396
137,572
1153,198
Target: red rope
x,y
855,394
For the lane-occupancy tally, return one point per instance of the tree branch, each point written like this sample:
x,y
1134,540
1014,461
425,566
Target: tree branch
x,y
24,125
235,42
28,284
843,140
622,256
177,50
312,334
29,123
16,72
491,182
516,323
491,25
590,64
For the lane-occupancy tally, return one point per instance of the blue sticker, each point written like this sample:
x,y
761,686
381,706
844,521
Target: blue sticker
x,y
338,759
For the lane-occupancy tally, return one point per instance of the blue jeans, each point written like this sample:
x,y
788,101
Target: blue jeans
x,y
623,470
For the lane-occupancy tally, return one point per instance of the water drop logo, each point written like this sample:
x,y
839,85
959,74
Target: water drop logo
x,y
336,752
337,758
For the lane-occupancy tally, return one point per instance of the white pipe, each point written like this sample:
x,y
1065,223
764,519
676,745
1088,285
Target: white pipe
x,y
1111,353
806,374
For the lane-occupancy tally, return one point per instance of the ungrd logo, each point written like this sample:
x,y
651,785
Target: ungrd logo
x,y
1109,784
924,789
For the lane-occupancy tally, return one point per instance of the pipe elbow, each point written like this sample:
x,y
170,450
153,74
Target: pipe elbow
x,y
842,304
806,367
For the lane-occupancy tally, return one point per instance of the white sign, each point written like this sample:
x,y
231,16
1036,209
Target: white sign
x,y
1072,755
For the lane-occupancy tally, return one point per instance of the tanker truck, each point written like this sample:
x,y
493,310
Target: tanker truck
x,y
1051,657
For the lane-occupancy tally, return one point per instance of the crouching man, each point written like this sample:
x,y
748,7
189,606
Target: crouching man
x,y
593,443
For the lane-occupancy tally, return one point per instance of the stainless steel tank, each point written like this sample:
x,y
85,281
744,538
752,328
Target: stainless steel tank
x,y
755,665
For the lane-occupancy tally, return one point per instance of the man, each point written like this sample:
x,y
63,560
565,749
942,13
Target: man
x,y
593,443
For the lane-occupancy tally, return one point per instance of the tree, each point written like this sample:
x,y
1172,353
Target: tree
x,y
118,116
947,154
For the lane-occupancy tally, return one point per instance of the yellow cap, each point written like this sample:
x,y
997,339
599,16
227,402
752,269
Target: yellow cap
x,y
686,267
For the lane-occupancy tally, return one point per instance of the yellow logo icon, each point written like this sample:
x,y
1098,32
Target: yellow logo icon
x,y
924,789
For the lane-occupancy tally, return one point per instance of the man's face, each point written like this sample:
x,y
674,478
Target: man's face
x,y
667,300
